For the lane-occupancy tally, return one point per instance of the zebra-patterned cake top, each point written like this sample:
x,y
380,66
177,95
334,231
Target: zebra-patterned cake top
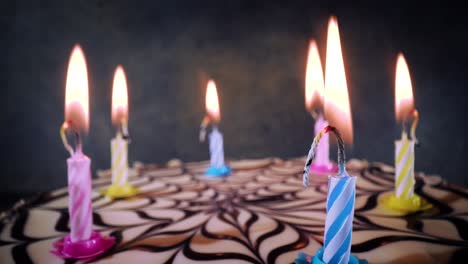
x,y
259,214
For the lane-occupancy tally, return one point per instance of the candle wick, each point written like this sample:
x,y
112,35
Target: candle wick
x,y
63,136
68,125
313,150
414,125
123,131
202,133
79,148
78,143
341,150
204,124
403,129
315,113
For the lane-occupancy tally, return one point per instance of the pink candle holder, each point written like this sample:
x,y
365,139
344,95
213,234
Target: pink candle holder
x,y
84,249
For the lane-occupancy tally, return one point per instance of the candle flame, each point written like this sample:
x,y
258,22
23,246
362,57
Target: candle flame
x,y
119,97
314,86
211,102
76,93
337,107
404,103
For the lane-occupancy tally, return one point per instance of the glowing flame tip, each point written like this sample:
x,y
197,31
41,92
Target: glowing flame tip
x,y
314,79
404,103
119,97
337,106
212,102
76,91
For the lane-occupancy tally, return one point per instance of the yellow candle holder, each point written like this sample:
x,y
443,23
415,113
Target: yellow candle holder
x,y
404,205
120,191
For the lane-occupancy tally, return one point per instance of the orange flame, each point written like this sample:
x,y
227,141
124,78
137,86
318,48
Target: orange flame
x,y
211,102
314,86
404,103
76,93
119,97
337,107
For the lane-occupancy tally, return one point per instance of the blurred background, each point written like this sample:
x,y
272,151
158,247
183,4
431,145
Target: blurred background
x,y
255,50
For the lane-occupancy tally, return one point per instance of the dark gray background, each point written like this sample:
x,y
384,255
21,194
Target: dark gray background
x,y
256,52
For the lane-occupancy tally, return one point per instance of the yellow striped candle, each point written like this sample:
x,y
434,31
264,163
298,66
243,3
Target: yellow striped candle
x,y
404,199
119,145
404,167
119,152
404,148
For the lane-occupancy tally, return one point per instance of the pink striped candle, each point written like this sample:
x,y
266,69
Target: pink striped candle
x,y
82,242
79,165
79,189
322,158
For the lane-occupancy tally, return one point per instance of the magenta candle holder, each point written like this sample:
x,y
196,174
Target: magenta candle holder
x,y
85,249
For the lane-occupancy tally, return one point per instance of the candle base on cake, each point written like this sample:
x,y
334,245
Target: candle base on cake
x,y
218,171
85,249
303,258
404,205
120,191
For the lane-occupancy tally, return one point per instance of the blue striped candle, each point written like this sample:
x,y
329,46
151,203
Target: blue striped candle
x,y
216,149
340,208
339,219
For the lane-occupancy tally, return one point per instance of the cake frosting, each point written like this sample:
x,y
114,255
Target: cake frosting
x,y
261,213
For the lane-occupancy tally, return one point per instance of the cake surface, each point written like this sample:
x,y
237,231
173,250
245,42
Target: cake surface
x,y
259,214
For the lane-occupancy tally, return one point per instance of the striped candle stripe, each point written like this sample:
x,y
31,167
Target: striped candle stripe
x,y
339,219
119,153
79,188
404,168
216,149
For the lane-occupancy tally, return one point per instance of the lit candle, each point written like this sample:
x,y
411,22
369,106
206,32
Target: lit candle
x,y
79,165
120,187
404,200
82,242
340,207
341,193
119,145
404,148
314,92
217,166
341,187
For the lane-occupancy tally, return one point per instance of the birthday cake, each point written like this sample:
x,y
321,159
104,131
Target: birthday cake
x,y
259,214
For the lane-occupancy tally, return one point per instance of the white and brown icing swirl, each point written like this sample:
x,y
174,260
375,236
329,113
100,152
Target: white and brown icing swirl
x,y
259,214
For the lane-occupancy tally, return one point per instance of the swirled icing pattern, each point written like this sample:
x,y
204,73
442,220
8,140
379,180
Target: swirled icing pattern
x,y
259,214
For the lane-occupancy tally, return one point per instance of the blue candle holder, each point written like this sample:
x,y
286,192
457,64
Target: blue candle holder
x,y
218,172
303,258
